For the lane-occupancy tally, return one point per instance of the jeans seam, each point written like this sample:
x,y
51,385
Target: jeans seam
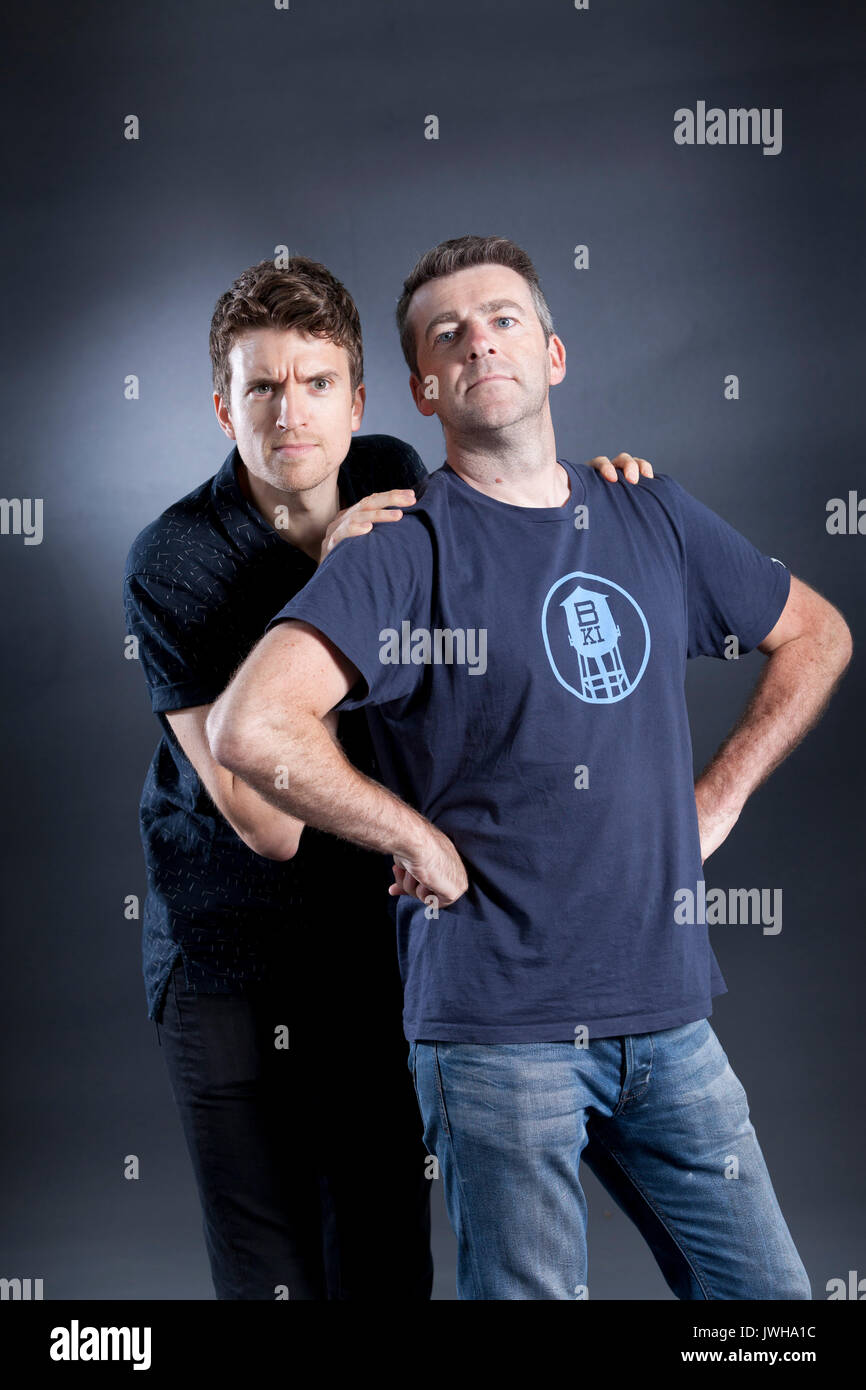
x,y
470,1243
699,1277
413,1068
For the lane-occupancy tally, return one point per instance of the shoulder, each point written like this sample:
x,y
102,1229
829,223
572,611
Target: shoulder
x,y
393,554
169,546
409,543
660,495
661,486
377,462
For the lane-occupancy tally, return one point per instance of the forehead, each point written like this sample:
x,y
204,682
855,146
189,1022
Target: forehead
x,y
465,290
280,350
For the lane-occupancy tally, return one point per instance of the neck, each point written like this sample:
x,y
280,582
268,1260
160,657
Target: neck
x,y
516,464
302,518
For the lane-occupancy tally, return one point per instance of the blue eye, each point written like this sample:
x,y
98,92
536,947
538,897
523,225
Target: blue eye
x,y
440,336
505,318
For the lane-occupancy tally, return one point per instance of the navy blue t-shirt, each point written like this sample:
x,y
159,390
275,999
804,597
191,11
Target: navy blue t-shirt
x,y
201,582
523,671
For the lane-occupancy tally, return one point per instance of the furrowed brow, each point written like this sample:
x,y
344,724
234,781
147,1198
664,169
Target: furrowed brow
x,y
265,378
260,378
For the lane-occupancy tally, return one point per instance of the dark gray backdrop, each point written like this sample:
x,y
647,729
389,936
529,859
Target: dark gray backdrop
x,y
306,127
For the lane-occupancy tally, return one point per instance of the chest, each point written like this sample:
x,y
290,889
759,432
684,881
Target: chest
x,y
556,611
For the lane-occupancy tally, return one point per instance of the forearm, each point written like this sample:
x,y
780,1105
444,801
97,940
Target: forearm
x,y
790,696
300,770
268,830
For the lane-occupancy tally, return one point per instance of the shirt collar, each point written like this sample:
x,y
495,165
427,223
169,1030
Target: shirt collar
x,y
236,511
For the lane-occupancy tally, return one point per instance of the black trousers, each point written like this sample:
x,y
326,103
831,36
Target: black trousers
x,y
309,1159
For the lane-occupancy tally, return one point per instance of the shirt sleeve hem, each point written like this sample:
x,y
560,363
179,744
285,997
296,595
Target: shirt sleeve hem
x,y
186,695
771,615
308,613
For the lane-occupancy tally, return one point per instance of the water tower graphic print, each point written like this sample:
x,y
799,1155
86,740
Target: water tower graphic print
x,y
596,638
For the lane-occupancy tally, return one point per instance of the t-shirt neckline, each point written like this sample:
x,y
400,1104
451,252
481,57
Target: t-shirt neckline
x,y
563,513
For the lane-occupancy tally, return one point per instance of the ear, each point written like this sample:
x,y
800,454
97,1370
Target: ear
x,y
418,389
556,356
222,414
359,400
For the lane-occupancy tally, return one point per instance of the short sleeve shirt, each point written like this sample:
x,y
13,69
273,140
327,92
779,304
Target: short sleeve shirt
x,y
523,671
200,584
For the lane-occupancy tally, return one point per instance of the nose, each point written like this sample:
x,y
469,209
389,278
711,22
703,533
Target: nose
x,y
478,343
292,407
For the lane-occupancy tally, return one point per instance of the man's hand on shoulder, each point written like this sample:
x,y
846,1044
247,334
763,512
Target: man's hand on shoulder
x,y
358,519
631,468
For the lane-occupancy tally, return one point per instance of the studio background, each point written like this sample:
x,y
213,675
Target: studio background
x,y
305,128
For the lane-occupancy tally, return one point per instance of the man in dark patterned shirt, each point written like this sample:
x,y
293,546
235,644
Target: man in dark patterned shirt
x,y
267,950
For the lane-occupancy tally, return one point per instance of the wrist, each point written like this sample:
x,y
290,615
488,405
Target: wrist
x,y
413,839
716,801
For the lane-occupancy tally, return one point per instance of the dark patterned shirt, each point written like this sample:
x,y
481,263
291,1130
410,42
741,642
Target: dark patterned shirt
x,y
201,583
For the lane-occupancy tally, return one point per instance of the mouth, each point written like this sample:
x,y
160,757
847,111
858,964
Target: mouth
x,y
493,376
293,448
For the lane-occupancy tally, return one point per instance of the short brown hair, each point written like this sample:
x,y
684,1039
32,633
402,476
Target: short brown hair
x,y
303,295
459,254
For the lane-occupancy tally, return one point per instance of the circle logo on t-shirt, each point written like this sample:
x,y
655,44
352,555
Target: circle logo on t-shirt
x,y
596,637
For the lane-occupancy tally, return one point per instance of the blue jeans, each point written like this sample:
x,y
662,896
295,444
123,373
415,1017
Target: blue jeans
x,y
662,1122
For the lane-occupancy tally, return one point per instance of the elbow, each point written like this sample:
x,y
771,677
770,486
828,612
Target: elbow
x,y
287,851
214,730
227,739
843,642
279,850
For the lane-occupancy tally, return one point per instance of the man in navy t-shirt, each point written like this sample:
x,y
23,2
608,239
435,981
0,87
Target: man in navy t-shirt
x,y
520,643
